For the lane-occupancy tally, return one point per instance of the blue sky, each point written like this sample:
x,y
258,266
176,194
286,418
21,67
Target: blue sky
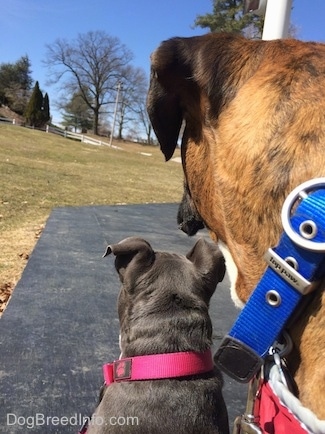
x,y
27,25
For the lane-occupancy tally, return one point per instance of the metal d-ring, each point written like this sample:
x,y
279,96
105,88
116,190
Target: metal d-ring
x,y
282,348
308,228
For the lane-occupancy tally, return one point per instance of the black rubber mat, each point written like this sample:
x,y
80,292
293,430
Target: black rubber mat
x,y
61,324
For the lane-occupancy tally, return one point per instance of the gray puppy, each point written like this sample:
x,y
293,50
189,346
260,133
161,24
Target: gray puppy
x,y
163,308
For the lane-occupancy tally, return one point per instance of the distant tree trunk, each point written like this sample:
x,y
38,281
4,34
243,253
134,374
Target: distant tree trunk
x,y
120,132
149,131
96,120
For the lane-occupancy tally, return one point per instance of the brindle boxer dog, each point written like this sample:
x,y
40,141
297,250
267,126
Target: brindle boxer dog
x,y
163,308
255,129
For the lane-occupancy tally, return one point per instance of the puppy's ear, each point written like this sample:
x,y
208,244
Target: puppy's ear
x,y
209,262
133,256
163,100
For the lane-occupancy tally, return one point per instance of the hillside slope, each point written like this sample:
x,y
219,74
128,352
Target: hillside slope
x,y
5,112
40,171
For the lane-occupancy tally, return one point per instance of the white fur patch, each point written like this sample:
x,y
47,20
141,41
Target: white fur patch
x,y
232,271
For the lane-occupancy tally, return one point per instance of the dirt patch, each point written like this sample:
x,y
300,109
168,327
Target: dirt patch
x,y
5,112
5,294
18,262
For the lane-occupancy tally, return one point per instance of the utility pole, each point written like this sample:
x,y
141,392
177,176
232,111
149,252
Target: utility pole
x,y
277,19
119,87
276,16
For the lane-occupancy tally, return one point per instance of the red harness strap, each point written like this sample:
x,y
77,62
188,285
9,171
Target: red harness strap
x,y
274,417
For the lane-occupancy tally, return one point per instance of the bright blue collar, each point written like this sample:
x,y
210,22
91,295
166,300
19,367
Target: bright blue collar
x,y
294,268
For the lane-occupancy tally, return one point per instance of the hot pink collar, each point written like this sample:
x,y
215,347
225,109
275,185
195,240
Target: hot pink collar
x,y
158,366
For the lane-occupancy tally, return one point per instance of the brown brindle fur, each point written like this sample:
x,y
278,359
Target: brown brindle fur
x,y
255,129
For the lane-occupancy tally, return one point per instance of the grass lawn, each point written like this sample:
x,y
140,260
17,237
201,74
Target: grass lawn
x,y
40,171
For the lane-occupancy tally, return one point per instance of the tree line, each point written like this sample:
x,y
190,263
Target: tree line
x,y
93,69
87,72
230,16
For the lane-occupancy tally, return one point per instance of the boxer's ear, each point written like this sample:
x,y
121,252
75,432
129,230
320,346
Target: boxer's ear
x,y
171,71
165,114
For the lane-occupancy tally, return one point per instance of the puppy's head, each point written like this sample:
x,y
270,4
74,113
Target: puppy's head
x,y
164,299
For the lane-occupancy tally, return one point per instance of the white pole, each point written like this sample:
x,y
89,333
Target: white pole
x,y
277,19
115,111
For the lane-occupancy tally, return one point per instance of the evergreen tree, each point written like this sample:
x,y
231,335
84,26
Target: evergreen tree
x,y
46,108
77,113
228,16
35,114
15,84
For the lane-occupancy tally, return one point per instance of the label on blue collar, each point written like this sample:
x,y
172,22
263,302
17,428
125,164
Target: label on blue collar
x,y
287,272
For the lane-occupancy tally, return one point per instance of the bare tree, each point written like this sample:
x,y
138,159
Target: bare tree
x,y
140,108
133,90
93,64
143,124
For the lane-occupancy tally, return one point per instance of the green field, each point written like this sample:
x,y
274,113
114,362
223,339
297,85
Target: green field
x,y
40,171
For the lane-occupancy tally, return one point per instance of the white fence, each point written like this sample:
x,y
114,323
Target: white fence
x,y
68,134
81,137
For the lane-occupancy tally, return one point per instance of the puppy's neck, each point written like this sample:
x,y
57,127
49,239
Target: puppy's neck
x,y
192,334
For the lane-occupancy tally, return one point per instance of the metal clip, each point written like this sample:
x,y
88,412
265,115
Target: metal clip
x,y
248,422
283,347
242,426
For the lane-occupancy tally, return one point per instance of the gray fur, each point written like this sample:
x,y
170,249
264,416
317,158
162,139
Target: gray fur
x,y
163,308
